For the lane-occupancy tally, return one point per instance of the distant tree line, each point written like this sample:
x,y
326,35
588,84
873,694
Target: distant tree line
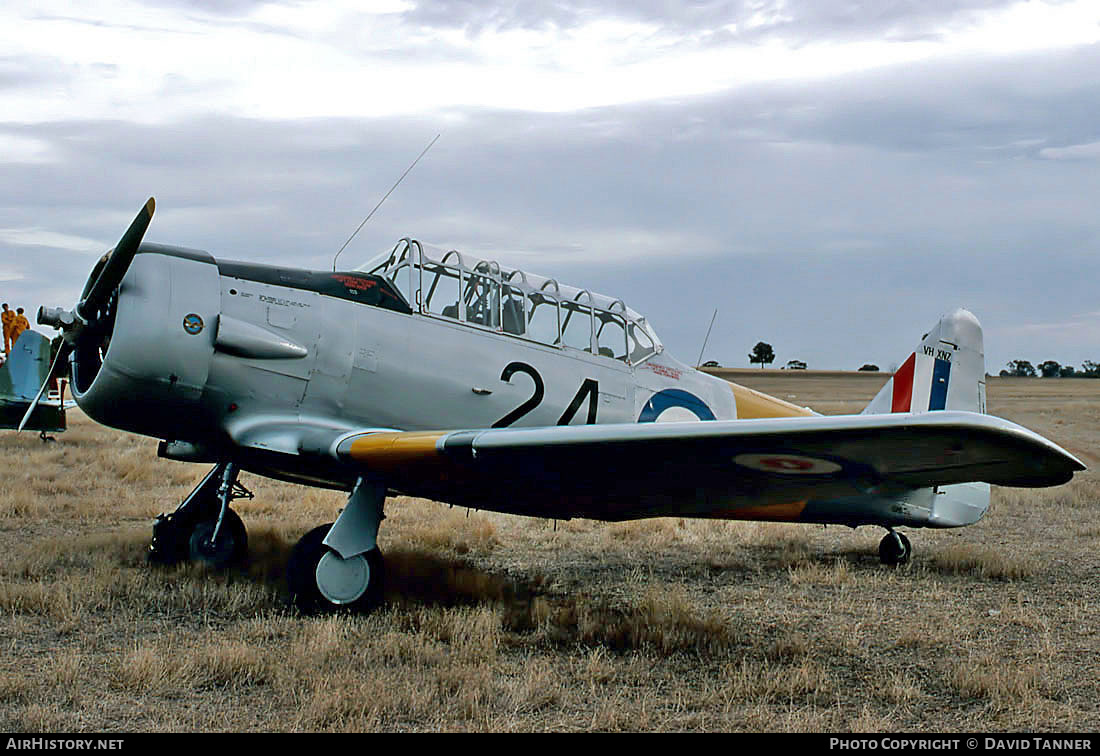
x,y
764,354
1051,369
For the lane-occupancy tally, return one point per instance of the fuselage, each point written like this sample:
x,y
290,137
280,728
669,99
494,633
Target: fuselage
x,y
231,361
205,350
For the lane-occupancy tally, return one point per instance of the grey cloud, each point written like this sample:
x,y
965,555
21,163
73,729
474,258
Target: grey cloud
x,y
797,20
220,8
1015,104
25,72
1090,151
838,221
111,23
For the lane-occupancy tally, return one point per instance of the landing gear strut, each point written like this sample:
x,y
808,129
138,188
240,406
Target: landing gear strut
x,y
894,548
203,528
339,566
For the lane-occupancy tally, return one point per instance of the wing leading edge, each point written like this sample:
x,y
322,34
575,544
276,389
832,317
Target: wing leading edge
x,y
616,472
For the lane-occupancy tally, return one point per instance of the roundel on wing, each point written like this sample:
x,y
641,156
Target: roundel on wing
x,y
787,464
673,405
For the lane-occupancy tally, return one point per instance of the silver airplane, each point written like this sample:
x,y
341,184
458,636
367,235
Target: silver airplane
x,y
431,374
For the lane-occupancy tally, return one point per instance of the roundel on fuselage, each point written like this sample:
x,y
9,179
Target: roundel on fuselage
x,y
674,406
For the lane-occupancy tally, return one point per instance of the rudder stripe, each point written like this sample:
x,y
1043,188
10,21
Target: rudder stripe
x,y
903,386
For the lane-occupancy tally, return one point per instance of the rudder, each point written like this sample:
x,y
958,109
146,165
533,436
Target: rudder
x,y
27,368
945,371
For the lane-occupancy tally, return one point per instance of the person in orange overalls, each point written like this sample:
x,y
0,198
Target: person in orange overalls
x,y
18,324
8,318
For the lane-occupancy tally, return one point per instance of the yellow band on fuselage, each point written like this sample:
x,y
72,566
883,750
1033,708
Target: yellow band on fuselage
x,y
753,404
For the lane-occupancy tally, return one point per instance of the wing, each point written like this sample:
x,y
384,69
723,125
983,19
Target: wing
x,y
616,472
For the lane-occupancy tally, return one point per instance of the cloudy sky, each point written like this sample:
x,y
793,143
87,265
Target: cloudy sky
x,y
831,175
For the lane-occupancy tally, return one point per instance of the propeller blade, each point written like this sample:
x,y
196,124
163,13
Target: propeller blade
x,y
62,352
118,263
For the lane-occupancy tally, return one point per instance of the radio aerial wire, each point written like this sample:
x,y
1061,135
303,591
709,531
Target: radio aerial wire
x,y
705,340
403,175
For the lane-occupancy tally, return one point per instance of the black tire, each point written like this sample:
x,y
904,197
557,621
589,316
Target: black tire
x,y
169,544
301,573
894,549
232,542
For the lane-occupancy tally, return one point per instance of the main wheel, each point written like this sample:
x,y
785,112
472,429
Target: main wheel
x,y
321,580
231,546
894,548
170,540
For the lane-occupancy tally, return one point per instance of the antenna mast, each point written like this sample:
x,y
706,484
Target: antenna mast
x,y
403,175
699,361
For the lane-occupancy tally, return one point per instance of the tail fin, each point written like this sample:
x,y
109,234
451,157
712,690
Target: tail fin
x,y
27,367
946,371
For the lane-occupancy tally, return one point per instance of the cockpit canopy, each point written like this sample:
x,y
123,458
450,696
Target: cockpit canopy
x,y
485,294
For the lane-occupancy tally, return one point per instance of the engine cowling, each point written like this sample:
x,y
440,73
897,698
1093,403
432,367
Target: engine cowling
x,y
145,369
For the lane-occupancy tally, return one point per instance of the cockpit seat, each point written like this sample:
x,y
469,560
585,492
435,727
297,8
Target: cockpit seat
x,y
512,319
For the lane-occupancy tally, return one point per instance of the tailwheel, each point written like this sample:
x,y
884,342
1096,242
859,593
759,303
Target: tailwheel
x,y
230,545
894,549
321,580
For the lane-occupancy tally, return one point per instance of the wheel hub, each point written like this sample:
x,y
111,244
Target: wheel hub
x,y
340,580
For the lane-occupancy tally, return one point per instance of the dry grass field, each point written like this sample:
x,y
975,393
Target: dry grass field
x,y
504,623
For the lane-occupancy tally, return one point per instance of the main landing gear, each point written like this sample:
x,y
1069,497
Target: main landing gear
x,y
334,566
339,565
894,548
203,528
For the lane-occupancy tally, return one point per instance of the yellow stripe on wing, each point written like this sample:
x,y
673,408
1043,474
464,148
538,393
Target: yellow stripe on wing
x,y
397,451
